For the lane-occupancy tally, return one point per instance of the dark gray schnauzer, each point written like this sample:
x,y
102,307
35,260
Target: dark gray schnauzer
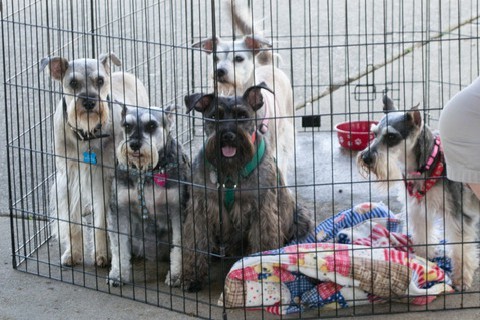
x,y
239,203
405,148
149,191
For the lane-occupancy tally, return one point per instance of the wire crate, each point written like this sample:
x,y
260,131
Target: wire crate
x,y
341,58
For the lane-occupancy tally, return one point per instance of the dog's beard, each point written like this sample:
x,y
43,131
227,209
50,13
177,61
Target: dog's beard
x,y
144,159
384,169
230,158
79,118
225,88
232,86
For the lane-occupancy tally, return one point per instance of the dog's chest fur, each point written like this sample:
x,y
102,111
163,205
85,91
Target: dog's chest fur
x,y
88,154
157,198
250,195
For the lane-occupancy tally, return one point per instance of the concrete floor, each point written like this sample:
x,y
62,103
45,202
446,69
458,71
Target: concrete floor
x,y
317,193
326,179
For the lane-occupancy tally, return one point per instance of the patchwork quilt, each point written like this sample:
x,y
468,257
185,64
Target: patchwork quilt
x,y
359,256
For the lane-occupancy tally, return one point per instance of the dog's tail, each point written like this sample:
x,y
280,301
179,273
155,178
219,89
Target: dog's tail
x,y
241,18
243,24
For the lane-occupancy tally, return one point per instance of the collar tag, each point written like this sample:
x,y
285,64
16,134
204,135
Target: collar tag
x,y
90,157
160,179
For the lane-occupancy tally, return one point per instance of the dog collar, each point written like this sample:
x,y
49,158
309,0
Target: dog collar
x,y
436,151
230,185
81,134
159,175
437,173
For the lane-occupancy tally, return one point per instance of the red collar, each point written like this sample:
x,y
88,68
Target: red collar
x,y
437,172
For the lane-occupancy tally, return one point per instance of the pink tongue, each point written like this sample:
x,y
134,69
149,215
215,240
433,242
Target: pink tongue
x,y
229,151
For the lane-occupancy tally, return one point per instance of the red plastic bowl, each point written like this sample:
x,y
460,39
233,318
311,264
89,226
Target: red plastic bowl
x,y
354,135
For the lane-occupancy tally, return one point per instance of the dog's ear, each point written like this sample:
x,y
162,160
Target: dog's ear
x,y
124,108
207,44
388,104
169,112
415,115
106,58
57,66
256,43
198,101
253,96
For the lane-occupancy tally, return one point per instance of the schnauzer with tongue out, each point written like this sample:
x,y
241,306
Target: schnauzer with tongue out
x,y
239,203
232,147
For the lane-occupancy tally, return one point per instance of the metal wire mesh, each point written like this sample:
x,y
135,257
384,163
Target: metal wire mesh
x,y
341,58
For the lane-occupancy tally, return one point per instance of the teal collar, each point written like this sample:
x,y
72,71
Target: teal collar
x,y
229,192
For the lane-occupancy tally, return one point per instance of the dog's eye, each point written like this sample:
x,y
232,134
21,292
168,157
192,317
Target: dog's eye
x,y
239,58
100,81
391,139
242,115
150,127
391,136
74,83
127,127
216,115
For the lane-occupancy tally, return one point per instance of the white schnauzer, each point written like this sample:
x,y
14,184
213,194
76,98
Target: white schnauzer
x,y
240,64
405,147
149,191
85,121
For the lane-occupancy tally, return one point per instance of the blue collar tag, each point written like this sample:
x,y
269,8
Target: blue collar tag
x,y
90,157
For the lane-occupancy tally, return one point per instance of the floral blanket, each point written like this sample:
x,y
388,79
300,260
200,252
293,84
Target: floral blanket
x,y
368,261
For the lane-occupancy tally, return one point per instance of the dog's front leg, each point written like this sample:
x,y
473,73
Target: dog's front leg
x,y
197,232
66,203
420,226
173,278
267,230
119,235
99,212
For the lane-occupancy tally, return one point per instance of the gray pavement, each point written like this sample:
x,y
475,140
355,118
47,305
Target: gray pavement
x,y
28,296
336,76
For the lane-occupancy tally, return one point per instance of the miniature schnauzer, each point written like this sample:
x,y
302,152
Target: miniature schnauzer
x,y
85,121
243,206
405,147
240,64
149,191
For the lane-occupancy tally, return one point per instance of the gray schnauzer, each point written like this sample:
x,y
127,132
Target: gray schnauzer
x,y
245,62
84,125
239,204
405,148
149,191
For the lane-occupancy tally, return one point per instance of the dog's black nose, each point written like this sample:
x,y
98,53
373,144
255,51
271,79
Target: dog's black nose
x,y
89,103
228,136
368,158
135,145
220,73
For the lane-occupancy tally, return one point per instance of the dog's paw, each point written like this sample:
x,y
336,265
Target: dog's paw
x,y
462,283
192,285
173,280
70,260
114,282
101,260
